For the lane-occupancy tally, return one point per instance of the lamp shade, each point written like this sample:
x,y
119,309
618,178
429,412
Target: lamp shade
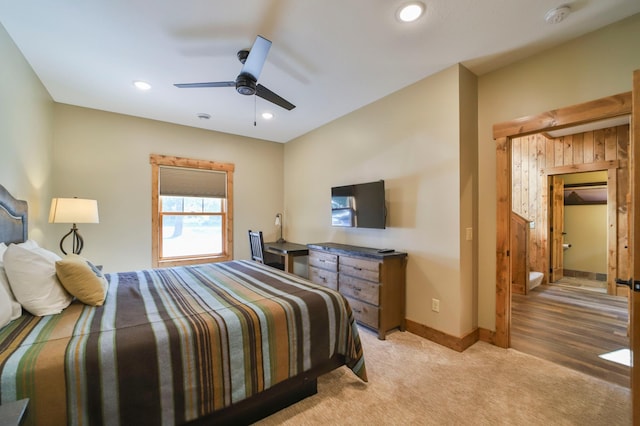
x,y
73,210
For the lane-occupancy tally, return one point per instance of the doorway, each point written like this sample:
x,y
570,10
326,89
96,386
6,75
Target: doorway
x,y
581,258
562,320
538,164
612,106
504,133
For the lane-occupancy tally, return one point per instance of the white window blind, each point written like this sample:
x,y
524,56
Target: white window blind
x,y
185,182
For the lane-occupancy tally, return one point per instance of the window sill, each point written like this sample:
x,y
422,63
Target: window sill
x,y
164,263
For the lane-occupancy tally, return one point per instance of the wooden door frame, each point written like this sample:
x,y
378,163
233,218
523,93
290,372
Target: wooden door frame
x,y
554,184
503,133
634,228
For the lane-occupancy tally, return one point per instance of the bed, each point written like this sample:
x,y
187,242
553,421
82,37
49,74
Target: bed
x,y
227,343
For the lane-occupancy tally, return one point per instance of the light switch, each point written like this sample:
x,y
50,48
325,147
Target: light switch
x,y
469,234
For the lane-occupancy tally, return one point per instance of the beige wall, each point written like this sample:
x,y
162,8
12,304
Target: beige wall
x,y
408,139
26,114
596,65
54,150
414,141
468,199
586,230
105,156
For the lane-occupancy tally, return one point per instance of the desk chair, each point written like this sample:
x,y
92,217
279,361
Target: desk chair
x,y
257,245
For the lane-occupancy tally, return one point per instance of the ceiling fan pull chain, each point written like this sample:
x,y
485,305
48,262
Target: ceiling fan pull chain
x,y
255,109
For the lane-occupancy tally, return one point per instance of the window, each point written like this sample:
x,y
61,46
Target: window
x,y
192,211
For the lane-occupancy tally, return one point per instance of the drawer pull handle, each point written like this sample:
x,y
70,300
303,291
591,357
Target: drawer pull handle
x,y
357,269
357,289
357,311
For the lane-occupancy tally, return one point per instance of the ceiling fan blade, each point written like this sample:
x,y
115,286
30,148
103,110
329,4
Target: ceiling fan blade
x,y
268,95
257,56
210,84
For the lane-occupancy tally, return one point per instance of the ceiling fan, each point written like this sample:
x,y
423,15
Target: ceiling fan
x,y
247,81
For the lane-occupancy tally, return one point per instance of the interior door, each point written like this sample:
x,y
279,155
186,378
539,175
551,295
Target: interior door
x,y
634,213
556,230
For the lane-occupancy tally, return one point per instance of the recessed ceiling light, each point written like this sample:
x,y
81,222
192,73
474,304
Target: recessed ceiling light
x,y
267,115
411,11
141,85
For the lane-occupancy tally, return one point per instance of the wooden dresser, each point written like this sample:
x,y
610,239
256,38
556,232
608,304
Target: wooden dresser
x,y
372,282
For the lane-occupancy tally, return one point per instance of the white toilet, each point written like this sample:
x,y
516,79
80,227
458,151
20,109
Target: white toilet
x,y
535,279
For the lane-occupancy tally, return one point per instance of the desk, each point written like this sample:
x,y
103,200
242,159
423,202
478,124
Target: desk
x,y
288,251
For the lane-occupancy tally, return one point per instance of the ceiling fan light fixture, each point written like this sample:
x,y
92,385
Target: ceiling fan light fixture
x,y
410,12
245,85
141,85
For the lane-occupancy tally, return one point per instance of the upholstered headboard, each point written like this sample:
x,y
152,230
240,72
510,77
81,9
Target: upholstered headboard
x,y
13,218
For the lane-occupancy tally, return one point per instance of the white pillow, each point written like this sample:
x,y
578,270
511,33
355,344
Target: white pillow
x,y
5,307
32,276
29,244
16,308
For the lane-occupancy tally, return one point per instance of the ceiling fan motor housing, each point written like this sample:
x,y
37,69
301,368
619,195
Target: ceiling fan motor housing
x,y
246,85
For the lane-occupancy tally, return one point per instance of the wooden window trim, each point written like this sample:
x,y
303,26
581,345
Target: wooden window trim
x,y
158,160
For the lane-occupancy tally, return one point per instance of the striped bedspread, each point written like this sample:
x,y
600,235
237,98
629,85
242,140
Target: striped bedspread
x,y
171,345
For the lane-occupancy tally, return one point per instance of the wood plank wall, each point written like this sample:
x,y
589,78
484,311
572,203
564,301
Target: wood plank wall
x,y
535,157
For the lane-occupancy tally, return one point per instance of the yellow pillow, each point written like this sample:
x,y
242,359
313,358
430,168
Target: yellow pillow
x,y
82,279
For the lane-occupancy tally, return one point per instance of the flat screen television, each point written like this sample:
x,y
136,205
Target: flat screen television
x,y
359,206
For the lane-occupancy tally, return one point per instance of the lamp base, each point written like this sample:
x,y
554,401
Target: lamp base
x,y
280,240
77,241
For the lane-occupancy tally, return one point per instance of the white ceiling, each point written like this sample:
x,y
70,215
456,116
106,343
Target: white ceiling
x,y
329,57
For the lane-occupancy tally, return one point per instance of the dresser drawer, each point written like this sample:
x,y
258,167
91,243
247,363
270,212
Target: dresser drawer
x,y
323,277
360,289
360,268
364,313
323,260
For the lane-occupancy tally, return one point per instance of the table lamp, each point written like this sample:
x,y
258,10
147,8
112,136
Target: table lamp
x,y
73,210
279,223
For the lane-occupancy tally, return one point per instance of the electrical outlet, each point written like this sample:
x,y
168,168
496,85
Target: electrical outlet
x,y
435,305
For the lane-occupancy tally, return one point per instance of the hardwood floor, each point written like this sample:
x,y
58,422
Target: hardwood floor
x,y
571,327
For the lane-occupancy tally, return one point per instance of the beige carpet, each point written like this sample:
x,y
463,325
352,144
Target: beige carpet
x,y
413,381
